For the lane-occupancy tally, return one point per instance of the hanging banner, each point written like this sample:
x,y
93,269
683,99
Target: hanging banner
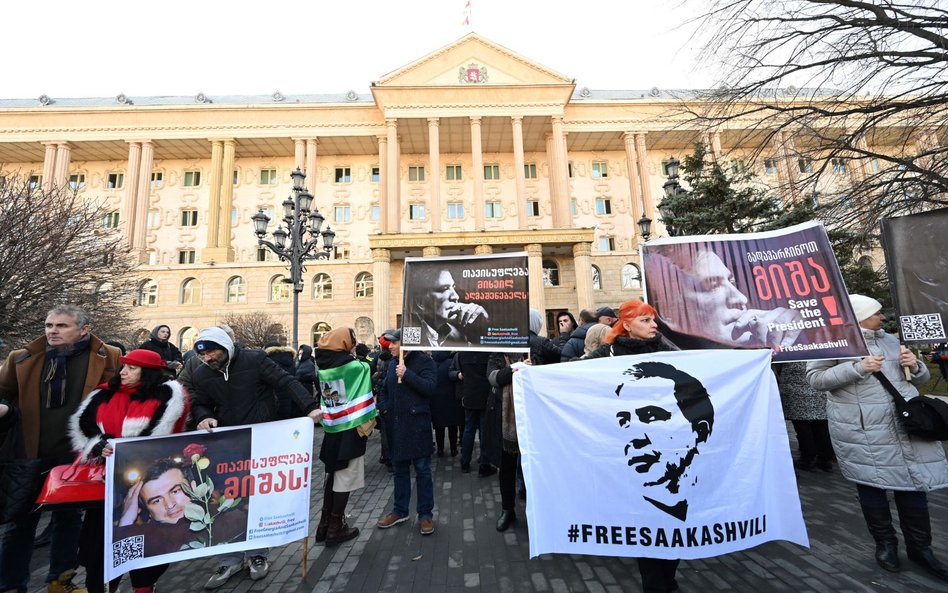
x,y
779,289
916,256
681,454
199,494
478,302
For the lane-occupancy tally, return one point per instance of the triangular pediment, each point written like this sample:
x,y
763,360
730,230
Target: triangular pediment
x,y
472,61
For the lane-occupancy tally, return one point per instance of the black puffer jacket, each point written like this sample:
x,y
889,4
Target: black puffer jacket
x,y
624,346
576,345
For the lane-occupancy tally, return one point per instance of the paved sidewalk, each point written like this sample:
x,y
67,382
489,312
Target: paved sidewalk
x,y
466,554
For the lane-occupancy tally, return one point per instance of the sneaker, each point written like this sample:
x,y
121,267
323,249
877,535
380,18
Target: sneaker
x,y
259,567
426,526
390,520
223,573
64,584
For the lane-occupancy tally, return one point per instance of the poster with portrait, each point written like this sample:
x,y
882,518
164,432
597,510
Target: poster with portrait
x,y
680,454
477,302
778,289
916,256
199,494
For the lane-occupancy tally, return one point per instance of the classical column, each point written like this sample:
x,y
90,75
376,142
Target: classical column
x,y
227,200
214,197
787,170
434,160
860,165
631,164
299,153
582,262
642,154
61,172
131,191
49,165
142,197
431,251
561,211
392,212
516,124
310,169
535,281
477,163
381,273
712,140
383,182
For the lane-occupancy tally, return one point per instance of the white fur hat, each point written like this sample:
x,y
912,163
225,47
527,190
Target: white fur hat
x,y
864,307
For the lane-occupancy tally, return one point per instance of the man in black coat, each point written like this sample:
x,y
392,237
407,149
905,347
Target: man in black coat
x,y
475,389
575,346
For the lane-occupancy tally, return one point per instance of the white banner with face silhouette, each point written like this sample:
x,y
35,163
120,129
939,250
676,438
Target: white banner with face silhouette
x,y
664,455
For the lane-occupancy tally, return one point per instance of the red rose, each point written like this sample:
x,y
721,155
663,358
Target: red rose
x,y
194,449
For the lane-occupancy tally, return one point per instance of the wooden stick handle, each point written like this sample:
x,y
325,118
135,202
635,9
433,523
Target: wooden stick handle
x,y
401,361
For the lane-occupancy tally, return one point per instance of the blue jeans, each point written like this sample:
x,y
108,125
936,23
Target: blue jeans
x,y
423,483
16,548
474,421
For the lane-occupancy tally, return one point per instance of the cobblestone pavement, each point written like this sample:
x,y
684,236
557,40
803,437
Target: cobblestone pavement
x,y
466,554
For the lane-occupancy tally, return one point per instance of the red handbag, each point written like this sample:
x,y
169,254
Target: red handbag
x,y
72,486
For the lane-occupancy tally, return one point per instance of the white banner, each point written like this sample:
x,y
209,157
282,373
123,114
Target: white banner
x,y
665,455
200,494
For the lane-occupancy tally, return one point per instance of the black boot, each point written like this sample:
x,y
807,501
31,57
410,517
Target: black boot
x,y
879,522
507,518
917,529
323,526
339,530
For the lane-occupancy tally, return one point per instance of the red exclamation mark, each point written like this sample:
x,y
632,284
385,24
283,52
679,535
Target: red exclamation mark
x,y
305,476
831,308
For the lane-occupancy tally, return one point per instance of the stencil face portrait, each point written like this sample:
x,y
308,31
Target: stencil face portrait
x,y
665,435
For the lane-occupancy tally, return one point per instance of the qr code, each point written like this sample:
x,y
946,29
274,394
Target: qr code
x,y
411,336
922,328
127,549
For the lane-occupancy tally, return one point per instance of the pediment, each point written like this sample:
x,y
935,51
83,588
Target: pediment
x,y
472,61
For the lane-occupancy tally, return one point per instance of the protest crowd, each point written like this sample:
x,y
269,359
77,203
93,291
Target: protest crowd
x,y
68,394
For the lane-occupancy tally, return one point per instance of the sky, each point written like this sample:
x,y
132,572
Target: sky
x,y
101,48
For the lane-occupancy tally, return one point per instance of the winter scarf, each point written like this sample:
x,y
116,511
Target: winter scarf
x,y
54,379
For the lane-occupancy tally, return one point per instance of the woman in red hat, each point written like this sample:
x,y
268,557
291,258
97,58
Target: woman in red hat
x,y
139,401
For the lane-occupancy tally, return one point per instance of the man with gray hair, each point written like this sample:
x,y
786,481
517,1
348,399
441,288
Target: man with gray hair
x,y
41,385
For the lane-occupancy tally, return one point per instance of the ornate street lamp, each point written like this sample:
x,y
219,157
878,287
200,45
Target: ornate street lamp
x,y
645,227
672,189
298,243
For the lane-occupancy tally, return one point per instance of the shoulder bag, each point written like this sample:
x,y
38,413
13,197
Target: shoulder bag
x,y
77,485
922,417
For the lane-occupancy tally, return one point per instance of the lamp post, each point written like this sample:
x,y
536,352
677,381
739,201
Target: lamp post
x,y
673,189
292,244
645,227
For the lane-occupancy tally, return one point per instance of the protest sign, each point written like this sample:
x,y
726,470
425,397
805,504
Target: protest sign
x,y
478,302
680,454
916,257
200,494
778,289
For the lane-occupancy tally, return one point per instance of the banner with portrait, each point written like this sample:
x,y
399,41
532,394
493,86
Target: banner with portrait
x,y
477,302
680,454
778,289
916,256
199,494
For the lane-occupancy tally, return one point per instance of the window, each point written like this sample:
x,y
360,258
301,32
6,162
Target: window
x,y
343,175
192,178
453,173
264,254
319,329
191,292
375,212
340,252
493,210
189,218
573,207
416,173
152,257
236,290
154,219
35,181
233,216
376,175
364,286
839,166
280,289
148,294
115,181
268,176
596,278
455,210
236,180
530,170
551,273
569,169
342,214
664,167
600,170
873,165
737,166
492,172
157,179
603,206
322,287
77,181
110,220
770,166
631,276
607,244
806,165
186,256
533,208
416,211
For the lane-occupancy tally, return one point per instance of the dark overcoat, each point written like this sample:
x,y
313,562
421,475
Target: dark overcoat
x,y
407,406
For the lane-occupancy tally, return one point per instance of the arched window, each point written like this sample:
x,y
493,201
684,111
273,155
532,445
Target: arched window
x,y
318,330
551,273
597,278
280,290
186,338
236,290
322,287
191,292
148,293
631,276
364,286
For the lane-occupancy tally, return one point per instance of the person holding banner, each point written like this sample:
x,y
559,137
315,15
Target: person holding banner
x,y
872,448
139,401
345,386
